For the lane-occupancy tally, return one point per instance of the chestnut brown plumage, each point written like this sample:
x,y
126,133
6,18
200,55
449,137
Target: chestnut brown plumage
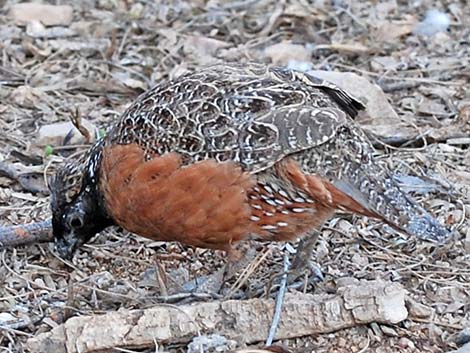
x,y
228,153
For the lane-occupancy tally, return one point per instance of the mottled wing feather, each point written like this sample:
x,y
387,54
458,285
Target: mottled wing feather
x,y
347,103
248,114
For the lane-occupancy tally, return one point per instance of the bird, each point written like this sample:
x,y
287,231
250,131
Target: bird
x,y
229,153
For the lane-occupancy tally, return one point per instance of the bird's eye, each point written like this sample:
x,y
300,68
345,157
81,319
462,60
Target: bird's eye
x,y
75,222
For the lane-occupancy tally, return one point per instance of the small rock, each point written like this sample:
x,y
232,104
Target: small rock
x,y
360,260
39,282
6,318
376,329
341,342
406,343
463,337
434,331
48,15
211,343
388,331
418,310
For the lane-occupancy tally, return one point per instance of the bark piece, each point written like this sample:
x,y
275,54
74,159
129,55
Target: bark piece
x,y
246,321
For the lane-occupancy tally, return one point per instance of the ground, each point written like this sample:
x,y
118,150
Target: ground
x,y
93,64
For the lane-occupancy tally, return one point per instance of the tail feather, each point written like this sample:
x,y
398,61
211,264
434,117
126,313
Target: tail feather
x,y
374,193
356,182
342,198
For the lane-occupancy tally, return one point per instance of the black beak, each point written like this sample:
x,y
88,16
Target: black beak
x,y
67,247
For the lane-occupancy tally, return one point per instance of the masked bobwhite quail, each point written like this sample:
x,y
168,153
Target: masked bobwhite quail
x,y
228,153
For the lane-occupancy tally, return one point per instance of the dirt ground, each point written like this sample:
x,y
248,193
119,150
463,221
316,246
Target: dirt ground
x,y
94,63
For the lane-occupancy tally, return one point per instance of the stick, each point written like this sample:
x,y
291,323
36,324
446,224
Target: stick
x,y
39,232
247,321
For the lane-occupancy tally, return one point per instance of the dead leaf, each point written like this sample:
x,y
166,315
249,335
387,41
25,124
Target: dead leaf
x,y
388,31
353,48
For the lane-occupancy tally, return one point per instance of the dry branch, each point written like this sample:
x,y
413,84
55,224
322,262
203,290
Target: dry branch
x,y
246,321
26,234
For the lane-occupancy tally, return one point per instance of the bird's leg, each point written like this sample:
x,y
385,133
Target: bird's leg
x,y
300,264
302,261
279,299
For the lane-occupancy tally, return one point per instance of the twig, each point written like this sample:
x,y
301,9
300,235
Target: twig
x,y
76,119
247,272
443,324
26,234
398,86
21,324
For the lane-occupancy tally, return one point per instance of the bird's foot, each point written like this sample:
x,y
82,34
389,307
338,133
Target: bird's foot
x,y
309,273
302,265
